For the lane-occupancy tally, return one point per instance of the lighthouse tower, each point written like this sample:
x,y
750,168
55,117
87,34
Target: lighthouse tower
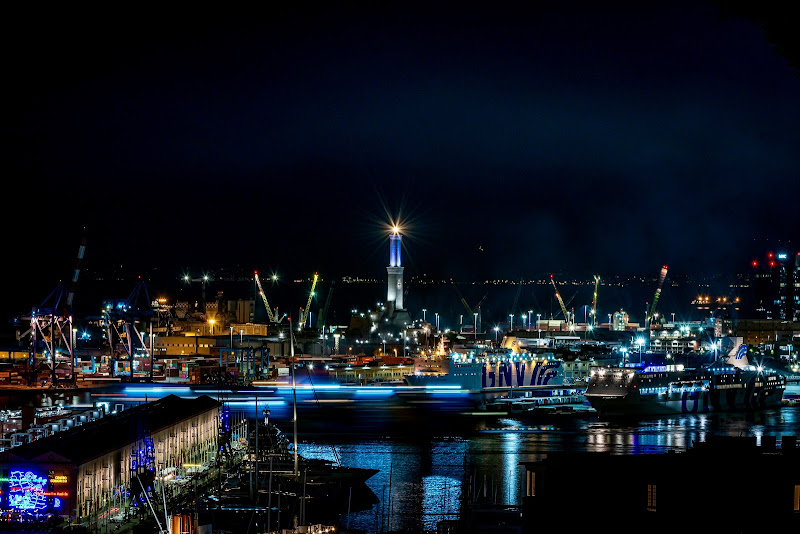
x,y
394,290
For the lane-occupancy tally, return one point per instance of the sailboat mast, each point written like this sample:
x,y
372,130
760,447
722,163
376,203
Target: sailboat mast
x,y
294,397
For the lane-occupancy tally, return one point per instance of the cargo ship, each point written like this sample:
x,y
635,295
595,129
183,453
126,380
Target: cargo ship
x,y
730,384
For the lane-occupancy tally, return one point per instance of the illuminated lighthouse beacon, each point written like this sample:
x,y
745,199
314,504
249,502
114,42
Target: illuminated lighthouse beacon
x,y
395,312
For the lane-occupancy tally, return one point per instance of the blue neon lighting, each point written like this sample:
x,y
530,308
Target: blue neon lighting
x,y
26,491
374,391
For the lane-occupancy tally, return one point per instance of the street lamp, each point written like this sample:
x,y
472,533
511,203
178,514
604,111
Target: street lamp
x,y
538,315
525,323
423,314
475,327
585,322
530,316
640,342
437,321
511,322
496,329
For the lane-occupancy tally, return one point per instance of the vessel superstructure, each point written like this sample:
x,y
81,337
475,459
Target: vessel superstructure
x,y
490,369
731,385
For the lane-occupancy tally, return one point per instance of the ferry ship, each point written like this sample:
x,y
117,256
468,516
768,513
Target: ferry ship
x,y
487,371
726,385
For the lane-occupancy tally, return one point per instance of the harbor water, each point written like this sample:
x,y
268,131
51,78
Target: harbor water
x,y
426,469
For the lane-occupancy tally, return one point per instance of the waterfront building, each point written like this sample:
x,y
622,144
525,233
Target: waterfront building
x,y
767,331
96,466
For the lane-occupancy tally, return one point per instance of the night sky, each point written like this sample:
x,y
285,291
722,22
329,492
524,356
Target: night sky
x,y
509,142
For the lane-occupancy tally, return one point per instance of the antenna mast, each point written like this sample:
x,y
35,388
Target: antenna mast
x,y
294,397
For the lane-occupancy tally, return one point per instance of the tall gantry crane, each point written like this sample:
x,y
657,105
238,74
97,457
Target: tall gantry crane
x,y
661,279
52,321
594,301
270,313
323,312
121,317
471,312
560,301
304,311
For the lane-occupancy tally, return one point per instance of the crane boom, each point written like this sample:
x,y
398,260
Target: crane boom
x,y
310,296
560,300
661,279
463,300
594,300
516,297
324,313
270,314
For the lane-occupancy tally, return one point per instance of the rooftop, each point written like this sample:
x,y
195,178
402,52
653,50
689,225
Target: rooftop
x,y
94,439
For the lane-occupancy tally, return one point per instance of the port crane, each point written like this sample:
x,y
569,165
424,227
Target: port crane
x,y
52,321
304,311
516,298
471,311
561,301
594,301
662,276
121,317
270,313
323,313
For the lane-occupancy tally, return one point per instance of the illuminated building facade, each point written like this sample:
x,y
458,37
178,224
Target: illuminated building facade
x,y
776,286
621,320
95,468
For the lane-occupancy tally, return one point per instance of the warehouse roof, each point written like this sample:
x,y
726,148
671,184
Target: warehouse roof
x,y
112,432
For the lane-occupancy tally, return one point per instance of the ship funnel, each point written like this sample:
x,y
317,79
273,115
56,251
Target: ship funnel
x,y
740,358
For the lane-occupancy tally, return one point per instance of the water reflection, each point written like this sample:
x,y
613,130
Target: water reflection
x,y
441,497
430,475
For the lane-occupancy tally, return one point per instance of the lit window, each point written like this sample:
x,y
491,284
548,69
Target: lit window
x,y
651,497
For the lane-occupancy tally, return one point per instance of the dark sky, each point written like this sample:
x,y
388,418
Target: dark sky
x,y
511,141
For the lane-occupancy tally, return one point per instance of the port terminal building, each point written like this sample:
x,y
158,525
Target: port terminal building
x,y
95,468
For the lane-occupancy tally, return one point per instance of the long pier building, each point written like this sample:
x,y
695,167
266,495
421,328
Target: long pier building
x,y
97,468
